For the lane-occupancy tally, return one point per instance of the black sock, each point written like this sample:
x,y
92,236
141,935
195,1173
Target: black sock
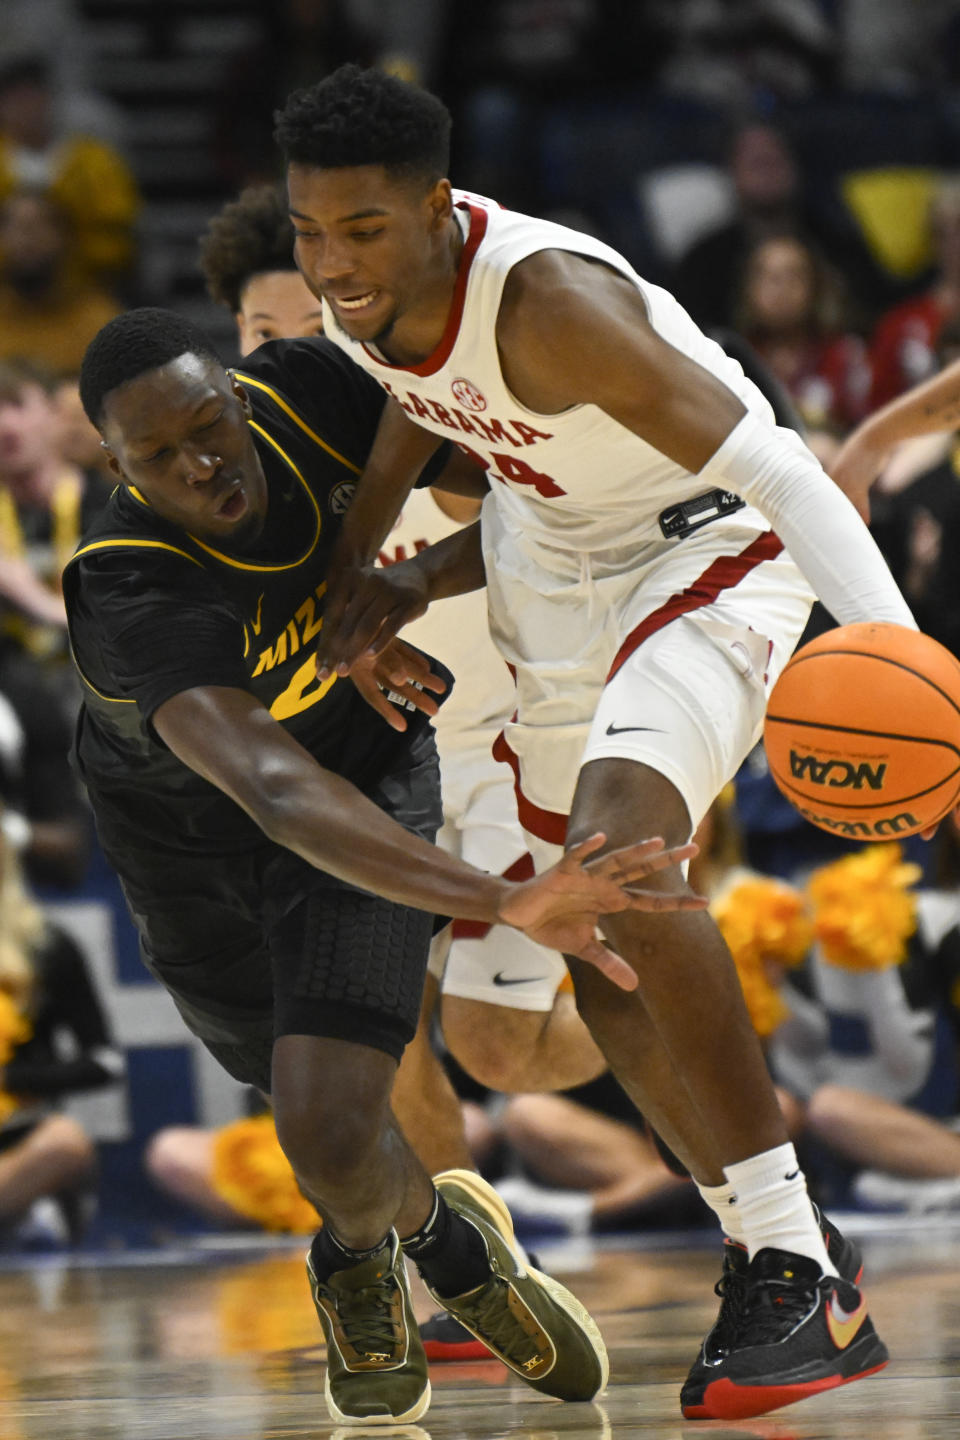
x,y
448,1251
328,1254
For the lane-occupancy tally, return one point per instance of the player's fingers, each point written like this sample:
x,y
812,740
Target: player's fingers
x,y
577,856
609,963
658,901
634,862
379,701
403,665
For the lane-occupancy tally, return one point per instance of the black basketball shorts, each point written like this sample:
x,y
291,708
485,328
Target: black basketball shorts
x,y
263,944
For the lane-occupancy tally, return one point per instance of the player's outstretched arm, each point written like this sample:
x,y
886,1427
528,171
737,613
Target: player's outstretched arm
x,y
385,598
924,410
225,734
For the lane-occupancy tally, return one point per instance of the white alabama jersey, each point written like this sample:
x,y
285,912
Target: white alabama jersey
x,y
577,478
457,632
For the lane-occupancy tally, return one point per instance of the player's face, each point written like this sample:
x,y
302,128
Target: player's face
x,y
180,435
277,306
367,242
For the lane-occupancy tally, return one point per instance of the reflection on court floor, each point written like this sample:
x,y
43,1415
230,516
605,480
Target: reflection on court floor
x,y
217,1340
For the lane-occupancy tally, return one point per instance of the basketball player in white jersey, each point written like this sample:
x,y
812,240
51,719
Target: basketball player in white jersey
x,y
651,544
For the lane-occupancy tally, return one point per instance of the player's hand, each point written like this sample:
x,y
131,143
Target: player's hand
x,y
402,672
857,464
369,605
561,907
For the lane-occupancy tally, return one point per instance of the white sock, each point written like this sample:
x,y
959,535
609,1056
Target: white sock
x,y
722,1200
774,1207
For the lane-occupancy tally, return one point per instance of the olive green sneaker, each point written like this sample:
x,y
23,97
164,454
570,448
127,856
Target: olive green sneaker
x,y
376,1368
526,1319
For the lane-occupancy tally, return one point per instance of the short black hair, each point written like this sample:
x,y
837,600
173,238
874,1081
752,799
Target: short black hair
x,y
250,236
365,117
131,344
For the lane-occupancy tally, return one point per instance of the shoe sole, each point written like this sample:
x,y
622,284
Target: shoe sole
x,y
415,1412
726,1400
418,1409
489,1201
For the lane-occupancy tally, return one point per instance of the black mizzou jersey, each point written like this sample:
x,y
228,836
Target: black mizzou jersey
x,y
154,611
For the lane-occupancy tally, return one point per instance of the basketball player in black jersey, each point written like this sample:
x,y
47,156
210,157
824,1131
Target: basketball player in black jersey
x,y
271,833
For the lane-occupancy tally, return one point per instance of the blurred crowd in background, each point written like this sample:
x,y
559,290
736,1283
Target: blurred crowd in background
x,y
790,169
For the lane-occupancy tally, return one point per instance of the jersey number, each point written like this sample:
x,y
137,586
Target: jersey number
x,y
512,468
303,691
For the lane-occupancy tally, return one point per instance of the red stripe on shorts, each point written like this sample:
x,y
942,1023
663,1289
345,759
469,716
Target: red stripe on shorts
x,y
547,825
724,572
521,869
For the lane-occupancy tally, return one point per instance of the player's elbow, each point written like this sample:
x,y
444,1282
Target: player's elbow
x,y
274,798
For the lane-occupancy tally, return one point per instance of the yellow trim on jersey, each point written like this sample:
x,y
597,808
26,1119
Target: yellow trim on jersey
x,y
292,564
125,544
132,490
120,545
279,401
110,699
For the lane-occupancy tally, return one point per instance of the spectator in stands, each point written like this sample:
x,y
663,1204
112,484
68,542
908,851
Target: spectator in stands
x,y
300,42
48,313
43,816
507,61
88,179
790,312
903,350
79,442
46,501
54,1042
770,201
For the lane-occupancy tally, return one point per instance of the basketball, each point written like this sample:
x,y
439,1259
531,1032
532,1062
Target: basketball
x,y
862,731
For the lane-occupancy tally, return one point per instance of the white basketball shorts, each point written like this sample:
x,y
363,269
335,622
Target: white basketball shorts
x,y
490,963
668,663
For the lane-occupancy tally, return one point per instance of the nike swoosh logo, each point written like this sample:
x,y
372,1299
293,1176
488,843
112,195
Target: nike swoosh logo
x,y
792,1176
621,729
843,1327
501,979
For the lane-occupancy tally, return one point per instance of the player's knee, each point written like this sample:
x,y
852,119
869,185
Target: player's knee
x,y
830,1110
166,1157
494,1055
533,1119
69,1144
327,1141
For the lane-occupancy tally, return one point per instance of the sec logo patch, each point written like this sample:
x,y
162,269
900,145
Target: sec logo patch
x,y
468,395
341,497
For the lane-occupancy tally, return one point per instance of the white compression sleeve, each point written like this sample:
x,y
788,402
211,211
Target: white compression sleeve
x,y
771,468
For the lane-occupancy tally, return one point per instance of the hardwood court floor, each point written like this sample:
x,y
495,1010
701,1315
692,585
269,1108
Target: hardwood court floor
x,y
221,1344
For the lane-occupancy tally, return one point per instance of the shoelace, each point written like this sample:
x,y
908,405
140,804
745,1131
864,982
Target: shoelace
x,y
490,1315
771,1310
366,1318
731,1289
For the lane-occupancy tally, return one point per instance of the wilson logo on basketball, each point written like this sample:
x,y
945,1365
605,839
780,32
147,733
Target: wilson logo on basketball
x,y
468,395
903,824
837,774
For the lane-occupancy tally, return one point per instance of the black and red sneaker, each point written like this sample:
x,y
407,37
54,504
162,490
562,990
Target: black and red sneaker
x,y
444,1338
844,1255
797,1332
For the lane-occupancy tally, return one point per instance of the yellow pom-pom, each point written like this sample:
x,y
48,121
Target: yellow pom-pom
x,y
766,928
864,908
252,1174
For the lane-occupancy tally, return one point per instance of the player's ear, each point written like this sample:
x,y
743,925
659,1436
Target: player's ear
x,y
439,202
241,395
113,464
